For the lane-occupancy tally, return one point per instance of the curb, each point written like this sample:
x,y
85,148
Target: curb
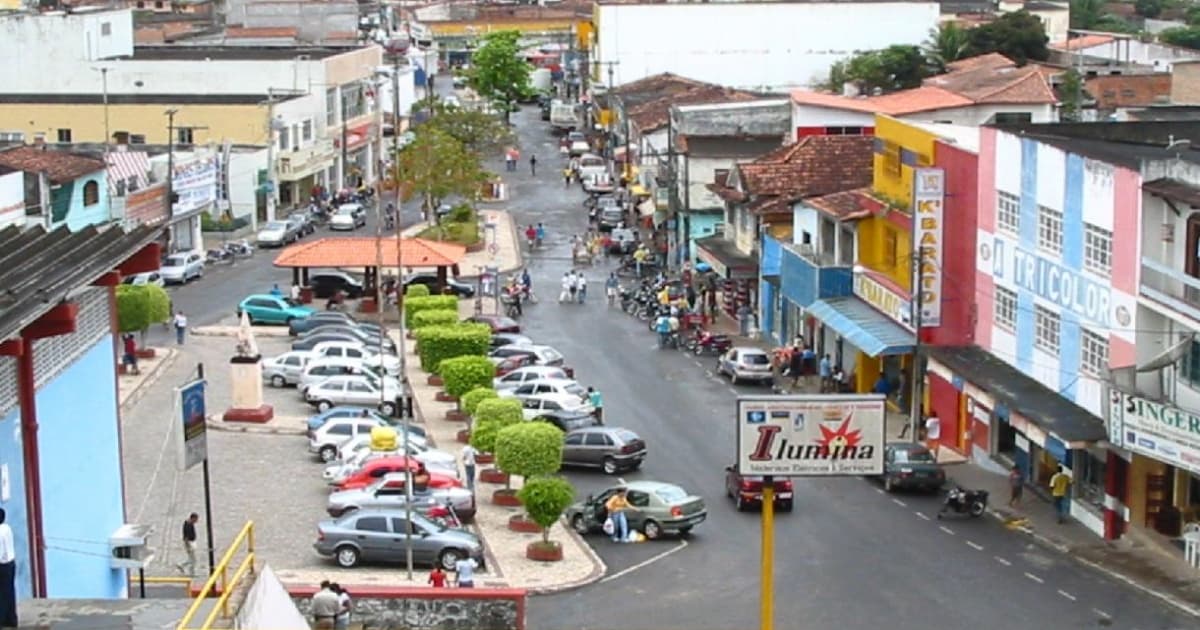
x,y
230,427
140,391
516,242
599,569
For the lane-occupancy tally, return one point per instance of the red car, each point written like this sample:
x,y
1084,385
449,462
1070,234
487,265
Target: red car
x,y
508,364
374,469
498,323
746,491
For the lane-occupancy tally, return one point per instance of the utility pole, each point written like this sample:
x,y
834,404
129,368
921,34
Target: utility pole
x,y
104,94
612,111
170,172
918,373
272,185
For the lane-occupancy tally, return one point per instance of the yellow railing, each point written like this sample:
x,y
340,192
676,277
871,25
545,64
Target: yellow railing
x,y
222,582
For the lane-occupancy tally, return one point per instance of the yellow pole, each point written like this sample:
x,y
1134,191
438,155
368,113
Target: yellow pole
x,y
767,580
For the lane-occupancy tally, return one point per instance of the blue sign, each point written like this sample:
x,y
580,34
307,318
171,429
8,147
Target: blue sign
x,y
193,414
1053,282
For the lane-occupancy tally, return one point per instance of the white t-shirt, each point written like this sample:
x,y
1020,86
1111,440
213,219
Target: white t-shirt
x,y
468,455
180,320
465,569
933,427
8,552
343,605
567,282
581,281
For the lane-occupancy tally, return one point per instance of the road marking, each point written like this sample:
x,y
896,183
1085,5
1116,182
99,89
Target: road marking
x,y
1102,613
1066,594
1034,578
975,546
698,363
644,563
1002,561
733,390
899,502
921,516
879,490
946,529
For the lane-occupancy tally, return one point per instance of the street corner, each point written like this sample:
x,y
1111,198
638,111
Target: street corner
x,y
597,573
151,366
579,566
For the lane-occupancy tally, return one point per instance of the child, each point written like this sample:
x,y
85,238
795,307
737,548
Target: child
x,y
437,578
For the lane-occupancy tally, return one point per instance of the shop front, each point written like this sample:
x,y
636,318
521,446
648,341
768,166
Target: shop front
x,y
195,187
734,277
301,170
803,281
864,341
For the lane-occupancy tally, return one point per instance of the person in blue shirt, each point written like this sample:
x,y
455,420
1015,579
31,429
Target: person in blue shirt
x,y
825,369
663,327
276,291
597,403
882,386
541,234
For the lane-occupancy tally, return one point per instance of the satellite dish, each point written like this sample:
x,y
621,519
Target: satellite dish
x,y
397,45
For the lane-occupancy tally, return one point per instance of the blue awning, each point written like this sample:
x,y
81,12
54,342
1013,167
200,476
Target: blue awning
x,y
864,327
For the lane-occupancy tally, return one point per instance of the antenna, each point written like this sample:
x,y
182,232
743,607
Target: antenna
x,y
1178,145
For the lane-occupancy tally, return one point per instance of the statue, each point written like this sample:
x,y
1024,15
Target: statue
x,y
246,346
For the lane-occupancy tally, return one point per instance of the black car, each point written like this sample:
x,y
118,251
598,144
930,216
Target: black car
x,y
454,287
324,284
310,341
569,420
911,466
325,318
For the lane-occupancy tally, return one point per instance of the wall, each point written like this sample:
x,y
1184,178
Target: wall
x,y
12,197
958,245
810,116
16,515
80,452
79,37
69,197
1161,57
145,206
236,123
243,177
429,608
916,150
756,118
315,21
873,233
973,116
1185,83
708,41
700,172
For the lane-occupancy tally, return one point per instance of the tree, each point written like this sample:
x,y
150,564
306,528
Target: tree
x,y
893,68
491,416
1148,8
436,165
1185,36
1019,35
1086,14
498,73
470,400
544,499
946,43
465,373
529,449
478,131
1070,94
139,307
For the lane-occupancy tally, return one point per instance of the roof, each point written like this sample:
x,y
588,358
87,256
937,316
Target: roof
x,y
921,99
248,32
242,53
961,136
653,87
1174,189
343,251
1129,90
141,99
38,268
1125,144
60,166
866,328
1083,41
989,60
653,114
1020,393
726,146
813,166
845,205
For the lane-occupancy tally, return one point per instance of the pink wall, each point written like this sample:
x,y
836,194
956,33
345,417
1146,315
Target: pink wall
x,y
1126,263
985,219
958,245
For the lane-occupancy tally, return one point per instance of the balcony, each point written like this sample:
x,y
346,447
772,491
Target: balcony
x,y
807,276
1171,288
300,163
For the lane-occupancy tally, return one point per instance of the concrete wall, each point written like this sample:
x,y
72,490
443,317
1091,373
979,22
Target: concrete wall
x,y
752,44
1161,57
1185,83
315,20
12,198
429,608
91,36
700,172
79,215
242,124
758,118
972,116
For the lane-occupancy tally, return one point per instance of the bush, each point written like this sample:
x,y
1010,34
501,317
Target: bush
x,y
529,449
412,306
438,343
544,499
139,307
470,400
492,416
462,213
416,290
465,373
434,317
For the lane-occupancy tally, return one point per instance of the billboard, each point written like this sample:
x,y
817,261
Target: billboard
x,y
811,435
190,410
1162,432
195,185
929,198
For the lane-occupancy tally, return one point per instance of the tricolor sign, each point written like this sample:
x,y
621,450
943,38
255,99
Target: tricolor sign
x,y
929,197
811,435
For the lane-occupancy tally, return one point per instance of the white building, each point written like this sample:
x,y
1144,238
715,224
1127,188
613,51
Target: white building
x,y
752,45
12,197
1118,49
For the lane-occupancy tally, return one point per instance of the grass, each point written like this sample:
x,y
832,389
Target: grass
x,y
461,232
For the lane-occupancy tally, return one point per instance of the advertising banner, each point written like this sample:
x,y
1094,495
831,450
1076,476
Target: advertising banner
x,y
929,197
811,435
190,410
195,185
1162,432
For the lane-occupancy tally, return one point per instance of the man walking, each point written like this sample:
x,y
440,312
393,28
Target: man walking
x,y
825,368
8,575
189,545
129,352
468,460
1060,483
581,289
533,165
1016,486
180,322
465,572
325,607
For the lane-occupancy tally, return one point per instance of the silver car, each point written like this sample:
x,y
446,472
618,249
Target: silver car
x,y
563,386
746,364
321,369
380,535
361,390
182,267
285,369
389,492
527,374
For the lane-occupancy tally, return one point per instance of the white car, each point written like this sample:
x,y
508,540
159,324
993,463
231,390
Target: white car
x,y
277,234
358,352
348,217
539,404
144,278
746,364
182,267
320,369
544,355
527,374
359,390
285,369
547,386
437,461
326,440
350,447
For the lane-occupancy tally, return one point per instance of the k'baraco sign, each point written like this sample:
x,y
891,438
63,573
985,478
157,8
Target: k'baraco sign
x,y
812,435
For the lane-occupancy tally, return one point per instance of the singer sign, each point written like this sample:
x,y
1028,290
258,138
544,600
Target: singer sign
x,y
811,435
929,198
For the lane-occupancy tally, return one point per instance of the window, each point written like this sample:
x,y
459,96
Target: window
x,y
1006,309
575,439
331,113
890,245
183,135
371,524
846,246
353,101
64,136
1008,212
1097,249
1050,224
1094,353
1190,370
283,138
597,439
637,498
306,131
12,136
137,138
1046,329
1013,118
91,193
105,29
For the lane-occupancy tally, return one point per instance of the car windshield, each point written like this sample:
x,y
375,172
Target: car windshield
x,y
625,436
575,388
345,211
551,355
671,494
915,456
176,261
275,225
755,359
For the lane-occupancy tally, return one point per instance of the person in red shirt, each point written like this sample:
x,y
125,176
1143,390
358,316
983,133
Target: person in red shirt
x,y
129,349
437,578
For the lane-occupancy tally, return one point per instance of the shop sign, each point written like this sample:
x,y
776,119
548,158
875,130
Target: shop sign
x,y
1163,432
195,185
811,435
1047,279
929,197
883,299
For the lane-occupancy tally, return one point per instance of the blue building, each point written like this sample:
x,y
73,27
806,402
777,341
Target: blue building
x,y
60,442
61,188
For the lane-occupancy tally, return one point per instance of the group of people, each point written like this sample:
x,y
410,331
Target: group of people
x,y
574,288
535,235
512,155
331,607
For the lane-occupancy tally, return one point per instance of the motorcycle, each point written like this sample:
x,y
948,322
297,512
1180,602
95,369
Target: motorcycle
x,y
216,255
960,501
444,515
705,342
239,248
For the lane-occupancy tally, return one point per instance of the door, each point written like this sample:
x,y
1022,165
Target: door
x,y
360,393
371,534
637,514
1192,256
422,552
572,447
595,446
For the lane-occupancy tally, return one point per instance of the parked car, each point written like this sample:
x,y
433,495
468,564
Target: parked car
x,y
515,362
348,216
325,318
272,309
377,468
355,390
746,490
182,267
524,375
545,355
146,277
320,370
325,283
357,351
389,492
509,339
380,535
538,404
430,280
318,420
611,449
911,466
361,453
746,364
564,386
339,333
304,222
325,440
609,218
284,369
277,234
568,421
656,508
498,323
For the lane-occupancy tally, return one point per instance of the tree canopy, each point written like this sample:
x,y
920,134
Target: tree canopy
x,y
893,68
1019,35
436,165
946,43
544,499
1185,36
1093,15
478,131
139,307
498,73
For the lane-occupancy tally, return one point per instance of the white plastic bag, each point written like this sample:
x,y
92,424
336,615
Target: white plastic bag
x,y
609,526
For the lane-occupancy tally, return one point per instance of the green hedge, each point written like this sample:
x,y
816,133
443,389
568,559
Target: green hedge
x,y
416,290
491,416
223,224
434,317
470,400
465,373
414,305
438,343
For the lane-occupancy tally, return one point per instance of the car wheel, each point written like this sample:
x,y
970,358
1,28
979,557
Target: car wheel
x,y
888,484
289,321
328,453
785,506
347,556
449,557
324,405
685,531
580,525
278,381
610,466
651,529
388,409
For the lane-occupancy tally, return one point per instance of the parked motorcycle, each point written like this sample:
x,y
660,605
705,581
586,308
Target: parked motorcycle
x,y
444,515
216,255
705,342
961,501
239,248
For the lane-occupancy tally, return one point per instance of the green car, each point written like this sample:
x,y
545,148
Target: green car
x,y
272,309
658,508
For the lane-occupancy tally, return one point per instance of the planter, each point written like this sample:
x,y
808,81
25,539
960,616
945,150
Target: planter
x,y
491,475
476,248
445,398
456,415
506,497
434,381
521,523
463,437
485,458
543,551
145,353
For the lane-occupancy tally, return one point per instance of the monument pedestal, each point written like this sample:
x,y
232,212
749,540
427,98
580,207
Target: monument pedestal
x,y
248,406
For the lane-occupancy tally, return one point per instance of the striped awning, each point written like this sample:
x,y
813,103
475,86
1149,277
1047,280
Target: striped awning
x,y
127,171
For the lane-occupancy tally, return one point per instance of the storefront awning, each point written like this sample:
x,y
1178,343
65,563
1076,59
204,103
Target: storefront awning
x,y
725,258
864,327
1026,396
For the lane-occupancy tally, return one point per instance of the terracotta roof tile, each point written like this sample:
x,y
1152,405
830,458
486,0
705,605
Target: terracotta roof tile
x,y
990,60
845,205
350,251
814,166
60,166
1130,90
250,32
922,99
652,115
654,87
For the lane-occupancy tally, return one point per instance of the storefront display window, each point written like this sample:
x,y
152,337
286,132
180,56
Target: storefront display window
x,y
1089,472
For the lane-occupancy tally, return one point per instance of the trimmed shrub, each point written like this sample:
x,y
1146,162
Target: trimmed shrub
x,y
470,400
529,449
463,374
438,343
140,306
435,317
416,290
414,305
544,499
492,416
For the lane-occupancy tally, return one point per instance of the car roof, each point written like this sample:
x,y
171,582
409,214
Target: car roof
x,y
650,486
527,347
262,296
551,381
555,396
335,361
536,369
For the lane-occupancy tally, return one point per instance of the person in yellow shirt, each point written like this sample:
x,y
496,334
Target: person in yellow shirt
x,y
639,257
616,505
1060,483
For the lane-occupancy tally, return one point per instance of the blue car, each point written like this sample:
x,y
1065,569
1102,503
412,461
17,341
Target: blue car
x,y
347,411
272,309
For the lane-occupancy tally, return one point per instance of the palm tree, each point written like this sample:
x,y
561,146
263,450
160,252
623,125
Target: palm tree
x,y
946,43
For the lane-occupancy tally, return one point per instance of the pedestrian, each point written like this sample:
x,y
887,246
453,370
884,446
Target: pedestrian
x,y
1060,483
839,379
540,231
180,322
341,621
188,566
325,607
796,365
581,284
295,292
1016,486
566,287
616,506
437,577
882,386
825,368
533,165
639,258
468,459
572,285
129,354
8,575
662,326
566,177
810,364
465,572
933,431
276,291
611,287
597,404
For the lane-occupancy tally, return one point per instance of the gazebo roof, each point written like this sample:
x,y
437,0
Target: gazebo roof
x,y
341,251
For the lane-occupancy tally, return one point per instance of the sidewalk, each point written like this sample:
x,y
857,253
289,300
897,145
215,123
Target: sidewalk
x,y
507,256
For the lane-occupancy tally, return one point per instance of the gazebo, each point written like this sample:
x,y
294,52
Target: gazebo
x,y
353,252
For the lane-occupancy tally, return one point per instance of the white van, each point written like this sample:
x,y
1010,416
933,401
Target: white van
x,y
592,165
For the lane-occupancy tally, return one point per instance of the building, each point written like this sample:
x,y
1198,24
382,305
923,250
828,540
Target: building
x,y
1112,96
12,197
708,41
58,359
61,188
1120,50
